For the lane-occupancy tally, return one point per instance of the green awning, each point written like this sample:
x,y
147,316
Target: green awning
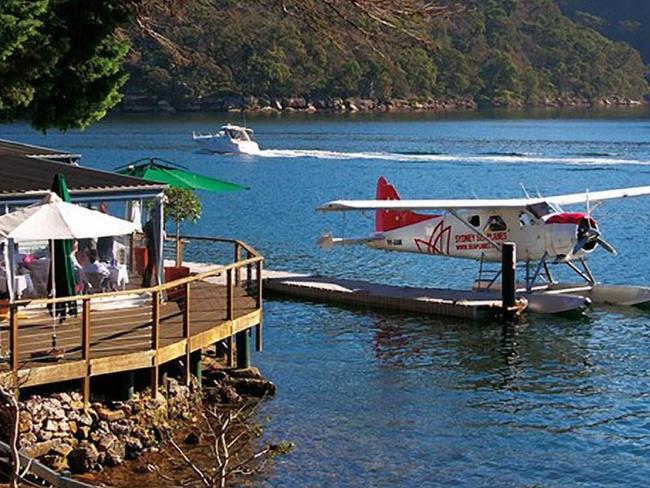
x,y
177,177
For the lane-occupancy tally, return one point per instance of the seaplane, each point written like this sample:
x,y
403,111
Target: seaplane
x,y
544,234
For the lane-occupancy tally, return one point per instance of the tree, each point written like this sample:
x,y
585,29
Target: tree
x,y
232,454
181,204
60,60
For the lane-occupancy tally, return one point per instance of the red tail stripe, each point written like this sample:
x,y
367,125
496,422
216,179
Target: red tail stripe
x,y
387,220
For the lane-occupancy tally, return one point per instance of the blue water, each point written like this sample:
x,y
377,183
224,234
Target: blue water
x,y
382,399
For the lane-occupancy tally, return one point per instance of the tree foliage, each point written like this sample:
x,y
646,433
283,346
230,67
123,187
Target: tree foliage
x,y
60,60
181,204
623,20
493,51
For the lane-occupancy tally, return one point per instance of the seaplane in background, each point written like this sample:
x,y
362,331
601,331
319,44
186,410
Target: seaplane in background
x,y
476,229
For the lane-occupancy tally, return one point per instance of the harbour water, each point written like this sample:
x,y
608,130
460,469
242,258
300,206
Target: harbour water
x,y
382,399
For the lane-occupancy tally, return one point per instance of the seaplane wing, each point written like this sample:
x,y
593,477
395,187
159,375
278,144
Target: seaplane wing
x,y
361,205
559,200
598,196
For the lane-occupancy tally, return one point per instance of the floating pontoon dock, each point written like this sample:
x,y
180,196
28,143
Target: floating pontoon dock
x,y
454,303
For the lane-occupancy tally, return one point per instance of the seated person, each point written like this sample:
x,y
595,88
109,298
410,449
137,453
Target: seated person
x,y
94,266
94,273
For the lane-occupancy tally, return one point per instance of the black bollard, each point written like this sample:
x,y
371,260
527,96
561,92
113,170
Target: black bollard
x,y
243,350
509,280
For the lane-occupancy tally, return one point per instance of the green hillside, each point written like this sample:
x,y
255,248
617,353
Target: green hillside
x,y
495,53
623,20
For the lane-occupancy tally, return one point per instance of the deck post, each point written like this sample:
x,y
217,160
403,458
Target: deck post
x,y
155,341
237,259
229,316
249,272
187,335
85,351
243,349
13,338
258,298
509,280
196,365
258,305
258,337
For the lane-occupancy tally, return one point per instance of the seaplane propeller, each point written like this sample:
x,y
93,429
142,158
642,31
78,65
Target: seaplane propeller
x,y
589,237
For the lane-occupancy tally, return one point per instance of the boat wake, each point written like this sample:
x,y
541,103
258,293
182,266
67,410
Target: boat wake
x,y
507,158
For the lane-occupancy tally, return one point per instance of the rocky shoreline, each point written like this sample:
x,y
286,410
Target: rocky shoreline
x,y
58,431
272,106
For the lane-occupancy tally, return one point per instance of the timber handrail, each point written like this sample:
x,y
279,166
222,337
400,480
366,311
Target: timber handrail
x,y
247,247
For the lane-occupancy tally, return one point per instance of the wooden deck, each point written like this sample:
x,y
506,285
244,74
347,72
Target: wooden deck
x,y
132,329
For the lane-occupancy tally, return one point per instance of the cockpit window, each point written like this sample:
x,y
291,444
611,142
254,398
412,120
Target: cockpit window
x,y
526,219
540,209
475,220
496,223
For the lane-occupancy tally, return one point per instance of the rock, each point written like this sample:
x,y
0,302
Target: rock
x,y
55,461
115,453
56,413
64,426
44,435
61,448
251,372
72,427
39,449
133,447
254,387
110,415
51,425
27,440
63,397
84,418
83,458
104,442
296,103
228,394
121,427
24,422
268,110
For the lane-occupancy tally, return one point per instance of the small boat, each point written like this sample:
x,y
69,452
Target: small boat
x,y
228,139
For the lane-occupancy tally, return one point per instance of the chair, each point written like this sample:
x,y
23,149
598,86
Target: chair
x,y
94,283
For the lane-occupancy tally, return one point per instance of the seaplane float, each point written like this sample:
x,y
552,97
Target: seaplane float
x,y
229,139
544,234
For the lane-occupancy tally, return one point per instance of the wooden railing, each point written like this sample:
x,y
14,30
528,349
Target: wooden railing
x,y
103,326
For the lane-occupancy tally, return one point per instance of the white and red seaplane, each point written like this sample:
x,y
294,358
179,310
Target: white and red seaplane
x,y
476,229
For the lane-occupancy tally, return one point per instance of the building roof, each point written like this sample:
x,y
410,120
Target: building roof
x,y
26,172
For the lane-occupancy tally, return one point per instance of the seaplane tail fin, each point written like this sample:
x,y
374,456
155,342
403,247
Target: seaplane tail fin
x,y
387,220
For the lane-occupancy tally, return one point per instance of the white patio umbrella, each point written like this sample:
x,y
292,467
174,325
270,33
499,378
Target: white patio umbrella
x,y
53,219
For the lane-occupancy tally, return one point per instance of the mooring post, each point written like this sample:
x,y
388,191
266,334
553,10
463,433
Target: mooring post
x,y
196,365
509,280
243,349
